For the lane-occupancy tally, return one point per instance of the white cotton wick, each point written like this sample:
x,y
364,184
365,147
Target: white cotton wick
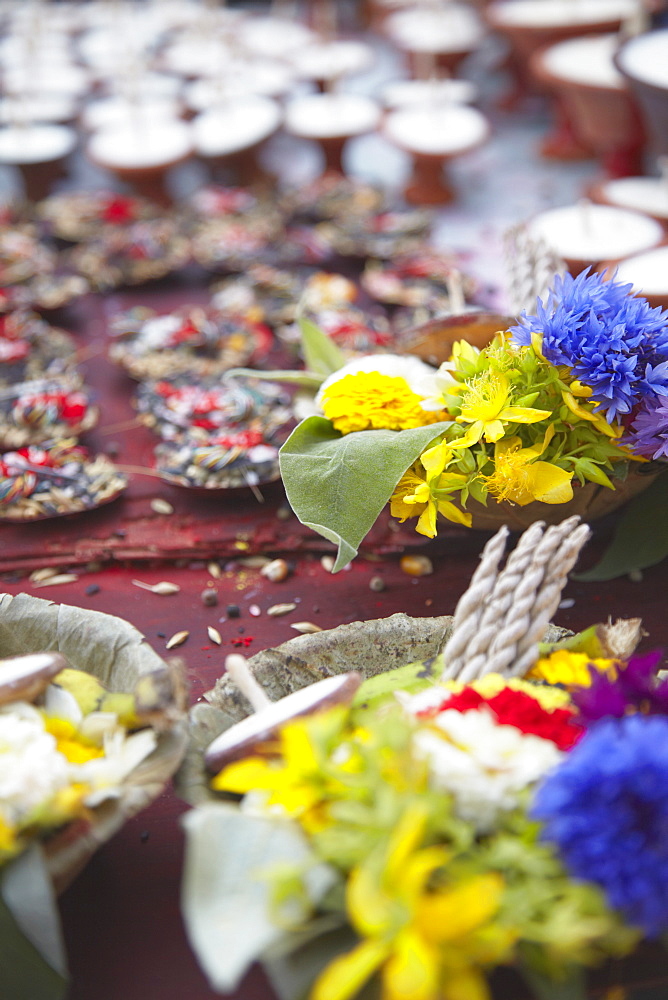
x,y
239,672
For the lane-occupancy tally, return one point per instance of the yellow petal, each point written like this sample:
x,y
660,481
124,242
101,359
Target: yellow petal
x,y
537,345
370,909
427,521
402,510
549,483
524,414
405,839
412,971
494,430
453,513
453,913
472,436
346,975
244,775
578,389
435,459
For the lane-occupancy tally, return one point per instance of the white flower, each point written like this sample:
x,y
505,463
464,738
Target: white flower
x,y
435,385
412,369
32,771
484,765
122,754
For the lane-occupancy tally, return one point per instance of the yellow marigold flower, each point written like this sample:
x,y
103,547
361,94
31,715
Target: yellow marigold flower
x,y
371,401
417,492
485,405
520,478
571,669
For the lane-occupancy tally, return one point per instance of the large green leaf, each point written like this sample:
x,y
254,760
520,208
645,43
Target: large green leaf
x,y
304,379
338,484
32,959
641,536
321,354
226,894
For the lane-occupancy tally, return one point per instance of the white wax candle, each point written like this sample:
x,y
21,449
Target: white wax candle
x,y
328,60
454,28
237,126
60,78
110,112
436,131
643,194
647,272
197,56
109,48
554,13
645,58
274,36
323,116
45,108
240,79
409,93
585,60
595,232
151,144
36,143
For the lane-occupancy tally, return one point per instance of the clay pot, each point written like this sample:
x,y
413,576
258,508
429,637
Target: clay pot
x,y
651,94
639,194
603,115
647,272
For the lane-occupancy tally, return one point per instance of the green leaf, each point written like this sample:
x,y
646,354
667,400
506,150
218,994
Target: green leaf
x,y
321,354
413,677
227,893
641,536
293,974
309,380
338,484
32,958
573,987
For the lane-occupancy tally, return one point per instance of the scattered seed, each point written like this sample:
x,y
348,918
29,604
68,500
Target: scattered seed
x,y
636,575
214,570
233,611
327,562
254,610
55,580
161,506
567,602
305,627
176,640
416,565
163,588
377,584
276,610
283,514
43,574
214,635
275,571
92,589
254,562
209,597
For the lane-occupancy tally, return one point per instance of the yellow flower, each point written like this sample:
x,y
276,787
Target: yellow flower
x,y
8,839
549,698
485,405
520,478
597,419
427,943
371,401
69,743
571,669
417,495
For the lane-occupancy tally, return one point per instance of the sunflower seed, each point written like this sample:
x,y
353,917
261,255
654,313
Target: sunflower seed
x,y
176,640
254,610
45,573
214,635
163,588
416,565
161,506
214,570
327,562
276,610
52,581
305,628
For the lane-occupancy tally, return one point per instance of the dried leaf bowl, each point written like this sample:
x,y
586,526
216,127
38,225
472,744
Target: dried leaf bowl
x,y
118,656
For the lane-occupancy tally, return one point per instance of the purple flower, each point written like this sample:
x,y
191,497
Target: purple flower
x,y
649,430
613,342
605,807
635,688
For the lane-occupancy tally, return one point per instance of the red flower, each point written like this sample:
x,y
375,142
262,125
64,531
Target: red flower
x,y
118,210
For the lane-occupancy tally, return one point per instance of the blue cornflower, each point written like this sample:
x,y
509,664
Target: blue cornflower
x,y
605,807
613,341
649,431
